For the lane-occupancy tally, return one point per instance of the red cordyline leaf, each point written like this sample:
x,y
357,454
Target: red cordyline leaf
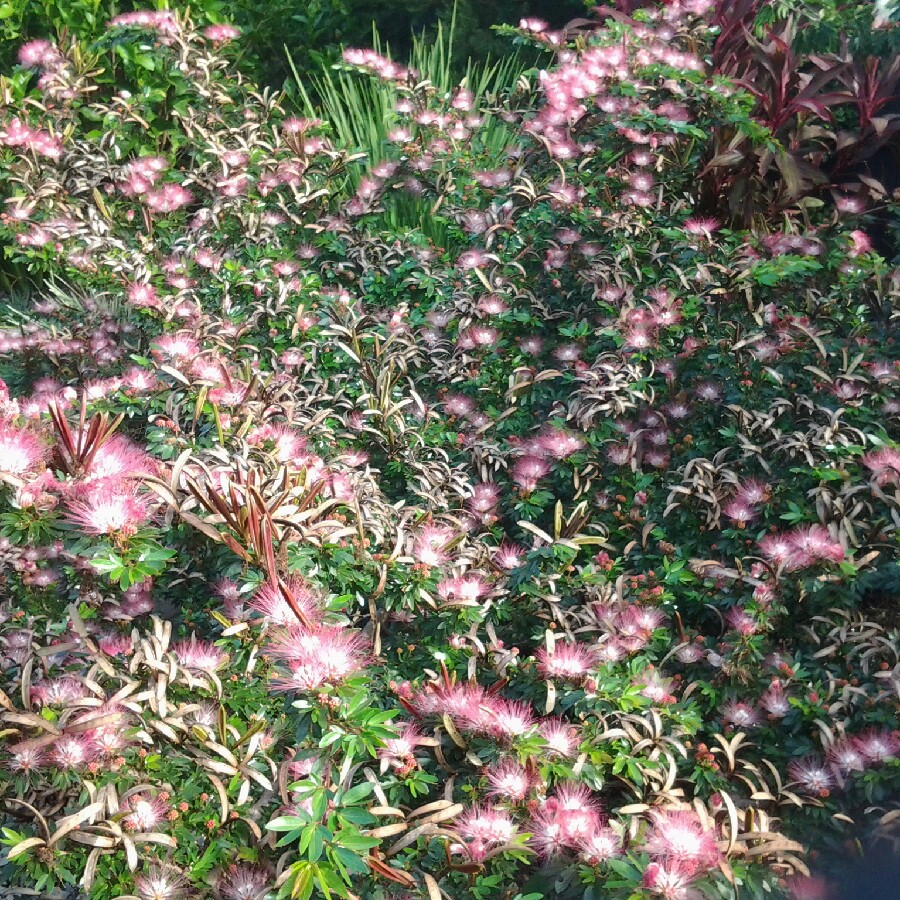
x,y
76,449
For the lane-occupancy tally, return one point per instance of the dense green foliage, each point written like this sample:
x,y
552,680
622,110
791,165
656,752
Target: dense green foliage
x,y
445,481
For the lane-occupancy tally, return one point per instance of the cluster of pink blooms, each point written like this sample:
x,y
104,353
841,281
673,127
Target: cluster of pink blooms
x,y
380,65
818,776
743,507
19,134
238,881
221,34
539,452
139,176
799,244
801,548
474,709
628,628
315,653
163,21
83,747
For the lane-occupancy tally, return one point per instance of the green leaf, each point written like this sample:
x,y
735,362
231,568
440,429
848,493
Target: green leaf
x,y
286,823
356,794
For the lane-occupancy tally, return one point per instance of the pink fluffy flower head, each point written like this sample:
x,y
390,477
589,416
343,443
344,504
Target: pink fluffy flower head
x,y
740,715
118,458
221,34
572,662
270,601
25,757
567,821
144,812
678,835
812,776
508,781
604,844
398,751
560,736
878,745
774,701
110,509
242,881
483,828
672,880
21,451
461,701
318,656
845,756
200,655
884,464
71,751
160,883
430,544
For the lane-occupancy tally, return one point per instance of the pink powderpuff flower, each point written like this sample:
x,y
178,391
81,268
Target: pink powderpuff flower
x,y
242,881
26,758
71,751
177,347
774,701
860,243
678,835
508,780
528,471
741,621
144,812
270,601
58,691
324,655
464,590
118,458
884,464
740,715
878,745
739,511
602,846
567,821
169,198
845,756
777,548
201,655
572,662
812,776
21,451
160,883
108,510
509,555
484,499
482,829
398,751
753,492
814,543
221,34
461,702
559,444
701,227
39,54
430,544
672,880
109,741
503,719
561,737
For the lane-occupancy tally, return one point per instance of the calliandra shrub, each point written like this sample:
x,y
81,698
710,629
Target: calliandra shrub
x,y
338,563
